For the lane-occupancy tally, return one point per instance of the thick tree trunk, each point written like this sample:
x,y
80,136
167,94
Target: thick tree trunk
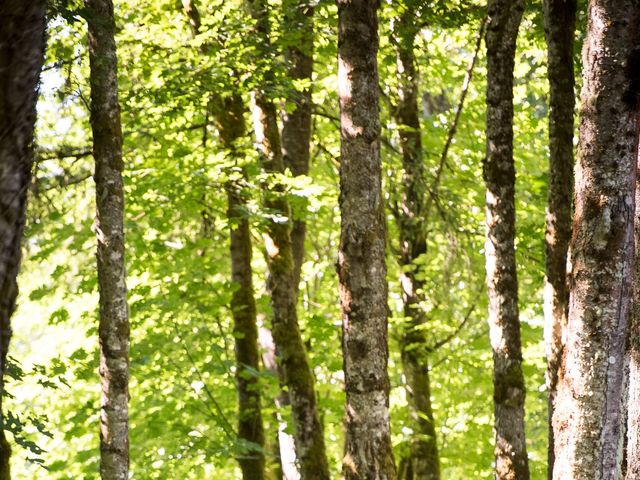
x,y
229,114
296,124
22,42
109,227
588,419
361,258
502,282
424,462
560,22
282,283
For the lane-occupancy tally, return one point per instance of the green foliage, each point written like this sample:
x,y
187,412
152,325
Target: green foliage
x,y
183,399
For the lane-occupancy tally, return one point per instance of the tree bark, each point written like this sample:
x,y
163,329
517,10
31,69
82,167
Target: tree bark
x,y
282,284
502,283
560,22
296,137
22,44
284,446
361,258
632,459
424,461
229,114
589,410
113,329
296,124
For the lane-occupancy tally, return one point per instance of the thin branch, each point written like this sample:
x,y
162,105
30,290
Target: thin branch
x,y
454,126
460,326
62,181
61,154
316,110
60,63
222,419
482,333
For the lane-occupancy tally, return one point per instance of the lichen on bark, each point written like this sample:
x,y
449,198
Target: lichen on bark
x,y
502,283
282,280
588,419
113,326
361,257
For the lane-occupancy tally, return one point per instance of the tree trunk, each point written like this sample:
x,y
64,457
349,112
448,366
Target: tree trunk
x,y
229,114
560,22
589,409
296,124
283,449
424,462
282,284
22,43
296,137
109,227
502,282
361,258
632,458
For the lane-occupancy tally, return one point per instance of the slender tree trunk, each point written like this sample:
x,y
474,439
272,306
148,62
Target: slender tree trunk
x,y
502,282
588,419
296,124
22,43
284,447
424,462
282,283
632,458
296,137
560,22
229,114
361,259
113,329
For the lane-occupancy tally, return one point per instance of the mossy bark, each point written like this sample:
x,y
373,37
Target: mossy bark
x,y
632,457
423,461
22,43
361,258
229,114
588,419
113,328
560,22
296,122
282,281
499,174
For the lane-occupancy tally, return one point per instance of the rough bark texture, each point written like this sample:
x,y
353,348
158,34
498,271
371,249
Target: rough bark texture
x,y
588,419
109,226
560,22
632,458
361,258
282,283
296,124
502,282
231,127
423,463
22,41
